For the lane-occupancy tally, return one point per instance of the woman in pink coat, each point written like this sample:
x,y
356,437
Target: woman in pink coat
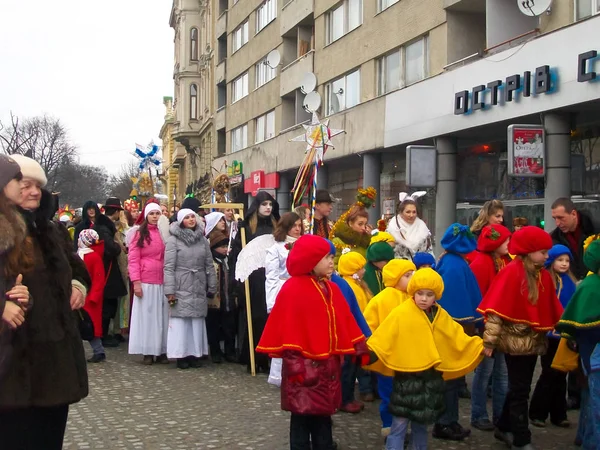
x,y
150,314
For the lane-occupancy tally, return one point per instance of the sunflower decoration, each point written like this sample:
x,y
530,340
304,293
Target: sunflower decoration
x,y
343,236
221,188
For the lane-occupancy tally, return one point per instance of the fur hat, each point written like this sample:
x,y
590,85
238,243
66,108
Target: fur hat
x,y
9,169
396,269
529,239
306,253
492,237
350,263
218,239
423,259
426,279
459,239
30,168
380,251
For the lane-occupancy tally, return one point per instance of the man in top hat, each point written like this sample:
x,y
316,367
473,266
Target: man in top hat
x,y
323,207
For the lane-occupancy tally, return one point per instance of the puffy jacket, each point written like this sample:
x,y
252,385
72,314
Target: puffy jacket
x,y
513,338
146,264
189,271
418,396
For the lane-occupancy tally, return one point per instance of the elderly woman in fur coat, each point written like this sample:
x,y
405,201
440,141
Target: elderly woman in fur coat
x,y
48,370
190,279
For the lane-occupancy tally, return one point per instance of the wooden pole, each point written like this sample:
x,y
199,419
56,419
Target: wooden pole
x,y
240,208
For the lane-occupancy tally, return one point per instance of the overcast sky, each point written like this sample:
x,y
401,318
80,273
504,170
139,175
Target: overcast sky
x,y
101,67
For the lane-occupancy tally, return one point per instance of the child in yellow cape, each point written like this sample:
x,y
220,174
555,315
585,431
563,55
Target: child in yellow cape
x,y
444,352
396,275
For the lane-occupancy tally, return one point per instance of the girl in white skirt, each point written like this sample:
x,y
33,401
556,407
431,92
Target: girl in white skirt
x,y
150,314
190,279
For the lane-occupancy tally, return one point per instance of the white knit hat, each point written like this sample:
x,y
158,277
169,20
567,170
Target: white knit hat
x,y
151,207
183,213
212,220
30,168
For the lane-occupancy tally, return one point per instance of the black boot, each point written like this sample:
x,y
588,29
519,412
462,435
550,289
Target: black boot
x,y
182,363
97,358
447,432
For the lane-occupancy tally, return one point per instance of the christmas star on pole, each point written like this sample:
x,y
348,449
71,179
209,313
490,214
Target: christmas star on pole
x,y
317,136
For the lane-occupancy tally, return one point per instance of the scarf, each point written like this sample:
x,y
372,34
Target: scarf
x,y
82,251
407,235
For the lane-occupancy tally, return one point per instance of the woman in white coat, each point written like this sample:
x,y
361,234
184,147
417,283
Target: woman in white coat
x,y
409,231
288,230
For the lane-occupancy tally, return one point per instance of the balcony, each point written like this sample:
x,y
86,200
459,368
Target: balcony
x,y
221,27
467,6
293,13
220,73
179,154
220,118
292,74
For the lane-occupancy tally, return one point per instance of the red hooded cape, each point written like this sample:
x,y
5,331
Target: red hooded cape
x,y
484,269
507,298
308,320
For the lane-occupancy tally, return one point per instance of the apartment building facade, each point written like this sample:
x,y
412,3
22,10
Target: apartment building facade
x,y
384,71
192,125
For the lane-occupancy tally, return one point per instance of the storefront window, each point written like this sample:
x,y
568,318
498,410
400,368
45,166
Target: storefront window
x,y
585,161
343,185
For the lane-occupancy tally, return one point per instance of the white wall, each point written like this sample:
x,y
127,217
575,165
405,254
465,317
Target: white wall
x,y
426,109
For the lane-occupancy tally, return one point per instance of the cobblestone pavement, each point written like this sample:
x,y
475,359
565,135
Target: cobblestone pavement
x,y
132,406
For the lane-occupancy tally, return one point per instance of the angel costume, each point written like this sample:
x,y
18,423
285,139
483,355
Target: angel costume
x,y
410,238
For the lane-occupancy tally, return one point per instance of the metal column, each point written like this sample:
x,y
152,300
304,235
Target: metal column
x,y
445,196
372,177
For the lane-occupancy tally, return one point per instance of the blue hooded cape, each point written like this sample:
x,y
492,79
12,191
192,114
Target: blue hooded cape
x,y
461,295
352,303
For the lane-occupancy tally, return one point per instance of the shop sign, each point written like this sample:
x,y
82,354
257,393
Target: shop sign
x,y
236,179
236,168
258,180
528,84
526,151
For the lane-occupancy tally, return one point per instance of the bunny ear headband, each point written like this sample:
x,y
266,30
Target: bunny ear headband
x,y
414,196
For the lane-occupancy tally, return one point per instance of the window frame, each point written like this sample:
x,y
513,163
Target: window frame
x,y
594,7
193,101
243,28
329,92
402,82
345,4
380,3
244,92
194,44
243,129
271,8
262,65
265,127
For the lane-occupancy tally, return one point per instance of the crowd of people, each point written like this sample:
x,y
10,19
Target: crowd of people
x,y
331,304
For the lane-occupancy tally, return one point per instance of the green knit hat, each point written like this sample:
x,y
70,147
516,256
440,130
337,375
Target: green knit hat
x,y
591,257
380,251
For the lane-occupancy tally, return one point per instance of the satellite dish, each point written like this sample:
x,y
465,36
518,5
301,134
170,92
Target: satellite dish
x,y
308,83
273,59
312,102
534,8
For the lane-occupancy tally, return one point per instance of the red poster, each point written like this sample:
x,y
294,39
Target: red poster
x,y
526,151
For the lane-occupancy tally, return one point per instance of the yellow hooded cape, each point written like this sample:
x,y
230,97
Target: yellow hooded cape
x,y
407,341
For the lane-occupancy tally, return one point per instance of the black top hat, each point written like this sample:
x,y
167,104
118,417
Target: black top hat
x,y
323,197
113,202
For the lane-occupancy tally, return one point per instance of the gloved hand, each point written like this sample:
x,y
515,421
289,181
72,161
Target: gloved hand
x,y
210,295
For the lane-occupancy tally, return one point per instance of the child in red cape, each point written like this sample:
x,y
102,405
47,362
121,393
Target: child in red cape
x,y
520,308
311,328
91,250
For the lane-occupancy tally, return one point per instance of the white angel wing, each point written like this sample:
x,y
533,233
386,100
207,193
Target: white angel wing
x,y
416,195
253,256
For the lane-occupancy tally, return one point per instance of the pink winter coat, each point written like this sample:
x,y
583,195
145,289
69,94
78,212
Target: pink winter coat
x,y
146,264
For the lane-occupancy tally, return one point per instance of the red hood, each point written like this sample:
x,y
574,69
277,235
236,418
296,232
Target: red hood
x,y
98,248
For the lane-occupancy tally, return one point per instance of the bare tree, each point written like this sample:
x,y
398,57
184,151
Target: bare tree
x,y
120,185
78,183
43,138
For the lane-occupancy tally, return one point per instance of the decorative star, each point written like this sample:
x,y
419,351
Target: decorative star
x,y
317,135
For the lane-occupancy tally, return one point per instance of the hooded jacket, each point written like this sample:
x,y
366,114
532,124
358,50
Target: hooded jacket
x,y
106,229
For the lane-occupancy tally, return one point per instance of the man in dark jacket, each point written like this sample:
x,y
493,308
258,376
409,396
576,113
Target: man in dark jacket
x,y
106,229
572,229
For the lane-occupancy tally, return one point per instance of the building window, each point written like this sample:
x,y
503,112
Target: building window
x,y
239,138
240,88
586,8
343,93
384,4
265,127
264,73
403,67
344,18
240,36
265,14
194,44
193,102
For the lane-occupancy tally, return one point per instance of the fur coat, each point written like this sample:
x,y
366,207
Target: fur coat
x,y
48,367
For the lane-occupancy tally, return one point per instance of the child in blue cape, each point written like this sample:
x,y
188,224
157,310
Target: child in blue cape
x,y
460,299
550,394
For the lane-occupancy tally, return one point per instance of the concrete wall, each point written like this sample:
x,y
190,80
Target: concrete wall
x,y
505,21
466,34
